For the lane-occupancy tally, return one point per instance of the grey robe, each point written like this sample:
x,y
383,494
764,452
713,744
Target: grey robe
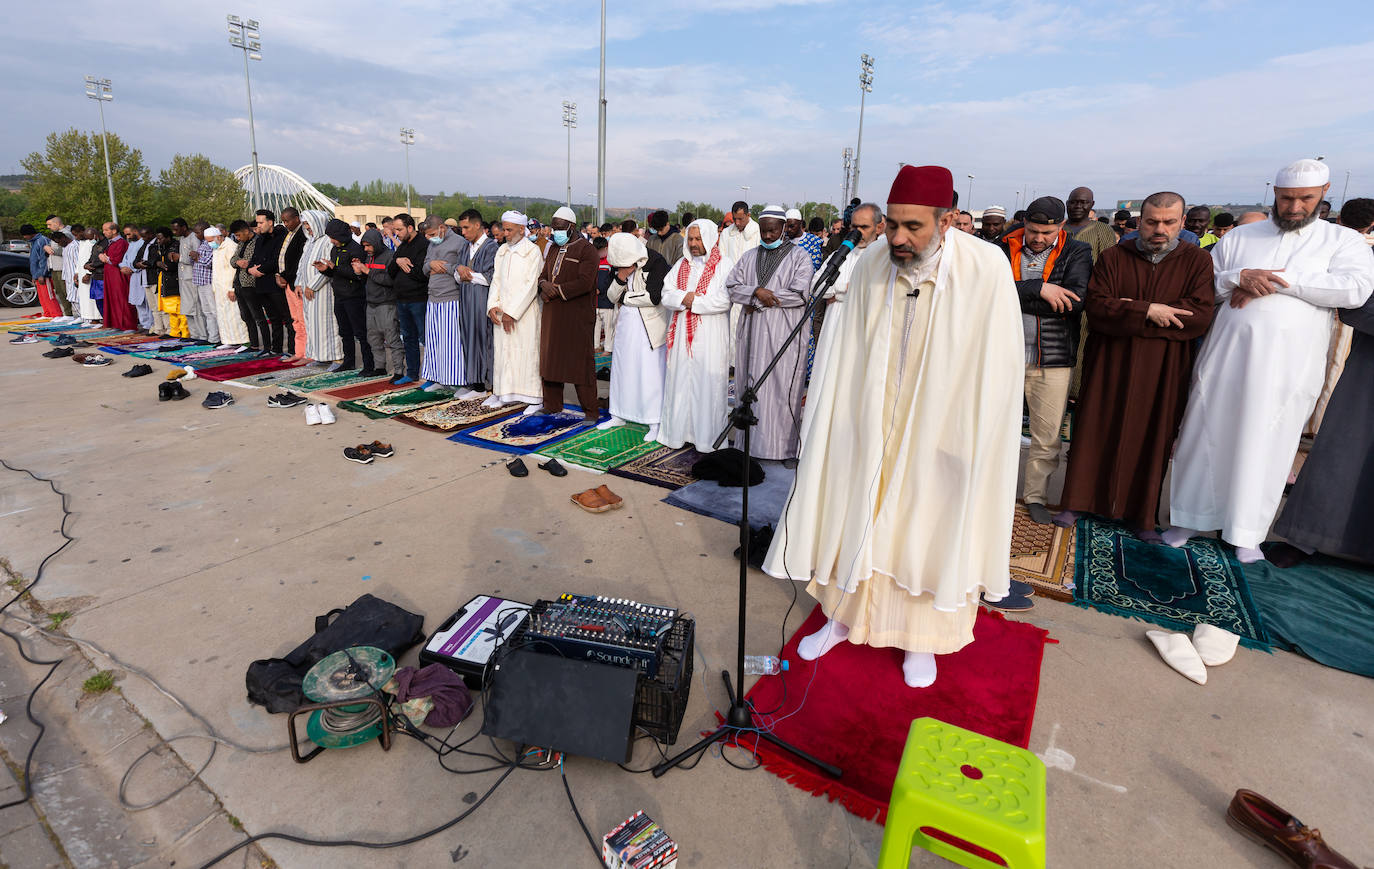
x,y
761,333
474,328
1331,507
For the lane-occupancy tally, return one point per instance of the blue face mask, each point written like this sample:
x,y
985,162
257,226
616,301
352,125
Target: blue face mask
x,y
560,237
435,240
653,231
214,245
771,245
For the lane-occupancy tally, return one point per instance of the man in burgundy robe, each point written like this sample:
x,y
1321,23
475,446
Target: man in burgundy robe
x,y
568,288
1149,299
119,314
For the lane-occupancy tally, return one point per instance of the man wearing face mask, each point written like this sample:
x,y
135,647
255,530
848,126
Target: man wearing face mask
x,y
567,285
202,276
443,364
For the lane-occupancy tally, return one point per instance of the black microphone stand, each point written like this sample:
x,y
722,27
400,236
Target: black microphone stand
x,y
739,720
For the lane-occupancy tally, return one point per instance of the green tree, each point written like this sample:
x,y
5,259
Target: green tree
x,y
12,204
699,210
194,188
68,178
824,210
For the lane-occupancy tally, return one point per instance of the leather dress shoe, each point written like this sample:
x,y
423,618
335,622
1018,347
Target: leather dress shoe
x,y
1258,819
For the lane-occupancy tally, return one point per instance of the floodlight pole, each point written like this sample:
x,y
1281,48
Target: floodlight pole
x,y
407,139
569,121
865,88
100,91
245,35
601,130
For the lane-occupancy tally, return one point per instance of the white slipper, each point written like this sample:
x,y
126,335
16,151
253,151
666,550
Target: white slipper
x,y
1215,646
1179,653
190,373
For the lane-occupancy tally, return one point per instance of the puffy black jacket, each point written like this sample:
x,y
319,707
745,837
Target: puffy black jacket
x,y
1052,337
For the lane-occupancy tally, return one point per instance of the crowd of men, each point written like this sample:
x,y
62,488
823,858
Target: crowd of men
x,y
1146,322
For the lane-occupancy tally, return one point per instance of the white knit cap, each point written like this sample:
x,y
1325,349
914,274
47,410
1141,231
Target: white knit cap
x,y
565,213
211,232
793,214
994,211
513,217
773,211
1303,173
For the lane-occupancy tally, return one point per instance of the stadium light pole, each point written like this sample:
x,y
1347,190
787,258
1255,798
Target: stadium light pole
x,y
99,90
244,35
569,121
408,139
865,88
968,202
1346,188
601,129
848,156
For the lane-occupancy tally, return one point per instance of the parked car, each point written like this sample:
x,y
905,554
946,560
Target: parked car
x,y
18,245
16,287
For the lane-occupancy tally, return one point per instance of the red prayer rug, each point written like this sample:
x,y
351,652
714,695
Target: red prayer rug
x,y
372,387
856,711
235,370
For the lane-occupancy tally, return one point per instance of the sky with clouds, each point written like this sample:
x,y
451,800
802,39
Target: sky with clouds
x,y
1206,97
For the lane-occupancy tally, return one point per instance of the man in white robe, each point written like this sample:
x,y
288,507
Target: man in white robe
x,y
901,512
695,394
639,365
1262,365
515,310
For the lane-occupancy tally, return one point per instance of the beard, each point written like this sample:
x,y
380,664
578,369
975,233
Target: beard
x,y
917,257
1289,225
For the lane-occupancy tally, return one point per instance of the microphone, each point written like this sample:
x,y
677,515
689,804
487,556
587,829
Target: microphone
x,y
831,270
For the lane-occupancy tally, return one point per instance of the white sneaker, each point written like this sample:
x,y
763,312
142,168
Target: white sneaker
x,y
190,373
326,415
312,415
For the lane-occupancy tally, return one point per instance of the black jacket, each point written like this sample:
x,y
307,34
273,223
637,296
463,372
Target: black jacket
x,y
265,257
380,287
293,256
166,268
412,287
347,284
1052,337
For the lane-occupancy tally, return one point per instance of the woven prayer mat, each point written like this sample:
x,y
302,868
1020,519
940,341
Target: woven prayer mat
x,y
233,368
230,357
23,325
1043,555
330,380
170,354
526,434
374,387
128,339
1321,608
1178,589
396,401
665,466
603,450
82,334
208,356
601,360
285,376
455,414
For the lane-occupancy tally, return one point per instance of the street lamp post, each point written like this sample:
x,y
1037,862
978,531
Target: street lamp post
x,y
601,129
244,35
408,139
865,88
848,155
100,91
968,202
569,121
1346,188
1265,200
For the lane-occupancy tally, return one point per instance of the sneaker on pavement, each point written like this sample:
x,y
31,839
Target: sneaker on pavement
x,y
95,360
216,400
360,454
326,414
24,339
285,399
312,415
379,449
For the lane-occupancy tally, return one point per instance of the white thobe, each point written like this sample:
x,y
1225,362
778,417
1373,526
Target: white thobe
x,y
71,274
1259,373
515,290
695,393
734,245
638,369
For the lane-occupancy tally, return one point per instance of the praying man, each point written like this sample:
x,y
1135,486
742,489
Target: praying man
x,y
514,309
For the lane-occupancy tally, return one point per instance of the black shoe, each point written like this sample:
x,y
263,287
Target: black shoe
x,y
138,371
379,449
178,391
362,455
554,468
286,399
216,400
517,468
372,372
64,341
1021,589
1040,514
1011,603
603,373
59,353
164,390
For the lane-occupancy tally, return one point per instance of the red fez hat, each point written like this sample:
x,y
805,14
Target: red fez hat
x,y
923,185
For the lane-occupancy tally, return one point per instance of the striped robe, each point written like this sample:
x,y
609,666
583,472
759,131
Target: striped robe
x,y
322,342
443,362
475,328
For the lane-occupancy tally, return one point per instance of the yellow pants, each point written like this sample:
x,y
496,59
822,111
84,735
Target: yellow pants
x,y
171,306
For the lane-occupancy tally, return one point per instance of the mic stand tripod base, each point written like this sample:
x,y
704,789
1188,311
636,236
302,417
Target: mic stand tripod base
x,y
739,721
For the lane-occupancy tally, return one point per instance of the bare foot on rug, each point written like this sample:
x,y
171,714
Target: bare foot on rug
x,y
1178,536
828,637
918,669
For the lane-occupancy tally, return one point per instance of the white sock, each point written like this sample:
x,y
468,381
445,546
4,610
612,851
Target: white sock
x,y
918,669
652,435
464,394
532,410
1249,554
828,637
1177,536
492,401
611,423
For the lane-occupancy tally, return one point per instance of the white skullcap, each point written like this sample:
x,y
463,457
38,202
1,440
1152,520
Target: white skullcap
x,y
1303,173
793,214
625,249
356,225
565,213
774,211
995,211
212,232
513,217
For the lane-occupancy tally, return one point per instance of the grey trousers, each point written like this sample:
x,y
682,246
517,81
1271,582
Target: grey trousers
x,y
384,334
191,310
209,324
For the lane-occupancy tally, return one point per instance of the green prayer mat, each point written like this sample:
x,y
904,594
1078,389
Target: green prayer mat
x,y
329,380
603,450
1322,608
391,403
1178,589
455,414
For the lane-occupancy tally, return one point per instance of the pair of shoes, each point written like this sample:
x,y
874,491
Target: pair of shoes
x,y
372,372
1012,603
95,360
215,400
319,414
1264,823
285,399
363,454
171,390
59,352
138,371
598,500
1210,646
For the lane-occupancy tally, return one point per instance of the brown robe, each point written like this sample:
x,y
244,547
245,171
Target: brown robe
x,y
566,331
1135,379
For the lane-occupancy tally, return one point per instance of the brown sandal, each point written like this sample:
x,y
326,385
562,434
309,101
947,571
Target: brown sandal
x,y
591,501
614,501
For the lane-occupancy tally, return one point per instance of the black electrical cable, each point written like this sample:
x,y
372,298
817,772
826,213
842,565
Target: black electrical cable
x,y
51,665
581,823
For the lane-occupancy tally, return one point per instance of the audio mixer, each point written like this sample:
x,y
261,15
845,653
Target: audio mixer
x,y
608,630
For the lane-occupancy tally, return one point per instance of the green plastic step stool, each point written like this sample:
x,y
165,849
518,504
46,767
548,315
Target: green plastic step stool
x,y
954,785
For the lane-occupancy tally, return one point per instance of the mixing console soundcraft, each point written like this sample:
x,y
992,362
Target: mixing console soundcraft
x,y
608,630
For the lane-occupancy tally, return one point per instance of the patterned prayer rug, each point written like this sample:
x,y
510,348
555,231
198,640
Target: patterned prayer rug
x,y
455,414
1175,588
601,360
526,434
285,376
397,401
208,357
603,450
329,380
171,354
665,466
83,334
1043,555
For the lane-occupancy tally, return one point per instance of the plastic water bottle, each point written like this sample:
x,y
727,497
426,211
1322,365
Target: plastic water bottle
x,y
763,665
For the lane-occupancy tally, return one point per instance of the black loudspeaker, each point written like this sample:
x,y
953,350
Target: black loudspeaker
x,y
576,707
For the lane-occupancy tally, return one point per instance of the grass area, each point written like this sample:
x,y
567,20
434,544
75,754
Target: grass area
x,y
99,683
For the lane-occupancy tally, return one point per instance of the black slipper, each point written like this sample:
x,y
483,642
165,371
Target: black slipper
x,y
517,468
554,468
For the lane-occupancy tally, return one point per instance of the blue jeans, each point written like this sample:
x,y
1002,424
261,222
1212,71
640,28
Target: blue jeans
x,y
412,319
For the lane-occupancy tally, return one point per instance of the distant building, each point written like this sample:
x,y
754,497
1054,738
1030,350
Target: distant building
x,y
365,214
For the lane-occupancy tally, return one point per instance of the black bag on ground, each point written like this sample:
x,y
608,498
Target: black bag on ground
x,y
723,466
368,621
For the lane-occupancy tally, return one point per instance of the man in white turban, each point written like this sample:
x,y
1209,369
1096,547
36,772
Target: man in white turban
x,y
1262,365
695,393
514,308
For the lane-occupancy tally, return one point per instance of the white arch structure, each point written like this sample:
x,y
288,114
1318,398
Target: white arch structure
x,y
282,187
